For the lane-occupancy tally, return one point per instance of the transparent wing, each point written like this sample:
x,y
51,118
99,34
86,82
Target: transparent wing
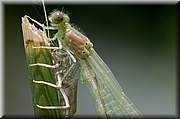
x,y
88,77
114,100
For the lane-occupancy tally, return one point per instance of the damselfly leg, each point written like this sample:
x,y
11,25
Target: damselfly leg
x,y
44,65
42,25
46,47
58,84
44,29
55,66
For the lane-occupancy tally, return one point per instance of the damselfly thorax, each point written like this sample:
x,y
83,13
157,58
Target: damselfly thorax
x,y
70,38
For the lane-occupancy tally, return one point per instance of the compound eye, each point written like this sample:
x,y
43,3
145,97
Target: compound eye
x,y
56,17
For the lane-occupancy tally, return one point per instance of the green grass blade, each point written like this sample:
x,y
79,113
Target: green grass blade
x,y
41,94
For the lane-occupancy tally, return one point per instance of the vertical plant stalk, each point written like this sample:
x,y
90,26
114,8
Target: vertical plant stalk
x,y
41,94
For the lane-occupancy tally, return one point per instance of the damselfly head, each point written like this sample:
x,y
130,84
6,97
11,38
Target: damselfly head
x,y
58,17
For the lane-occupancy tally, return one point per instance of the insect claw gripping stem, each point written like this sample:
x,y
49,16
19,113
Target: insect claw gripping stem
x,y
44,65
46,47
57,86
52,107
61,90
46,83
42,25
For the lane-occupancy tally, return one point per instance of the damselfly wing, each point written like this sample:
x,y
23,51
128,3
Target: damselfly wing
x,y
110,99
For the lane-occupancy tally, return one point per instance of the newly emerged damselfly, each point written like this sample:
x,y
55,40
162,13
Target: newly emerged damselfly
x,y
73,57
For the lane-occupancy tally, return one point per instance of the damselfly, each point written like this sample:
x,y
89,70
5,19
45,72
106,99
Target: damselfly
x,y
109,98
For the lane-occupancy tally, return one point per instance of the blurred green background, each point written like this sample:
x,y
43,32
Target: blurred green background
x,y
138,42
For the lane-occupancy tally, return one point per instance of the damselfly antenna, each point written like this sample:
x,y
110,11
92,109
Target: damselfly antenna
x,y
45,15
62,9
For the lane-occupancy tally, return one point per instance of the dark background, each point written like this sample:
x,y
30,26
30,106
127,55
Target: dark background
x,y
138,42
